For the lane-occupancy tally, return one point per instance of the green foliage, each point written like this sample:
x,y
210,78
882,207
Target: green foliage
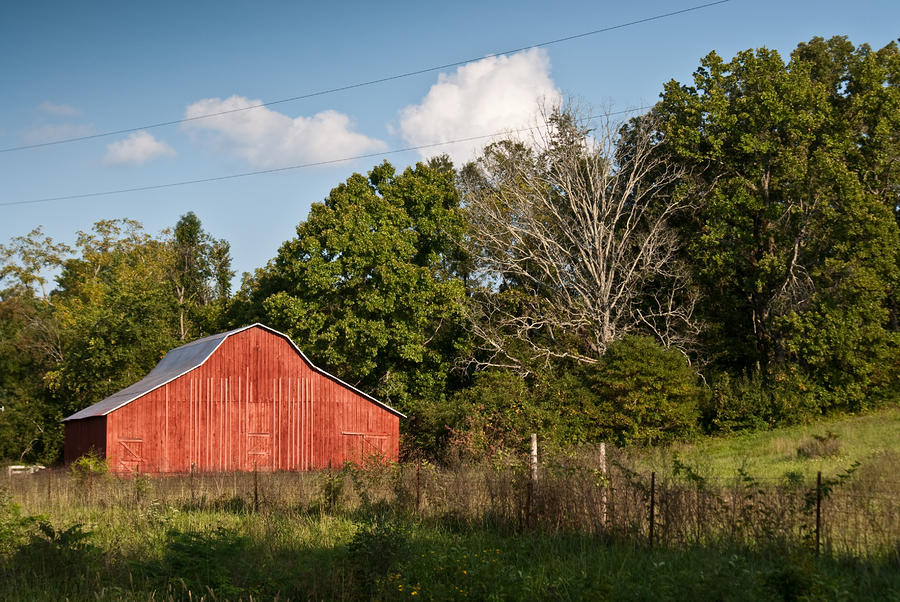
x,y
201,276
64,553
794,242
88,466
29,430
751,402
200,562
496,413
14,527
123,299
736,404
369,286
649,394
115,313
375,549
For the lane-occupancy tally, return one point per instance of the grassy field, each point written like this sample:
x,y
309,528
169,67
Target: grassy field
x,y
829,446
730,523
174,554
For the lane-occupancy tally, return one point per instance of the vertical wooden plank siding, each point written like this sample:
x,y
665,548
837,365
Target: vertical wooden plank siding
x,y
255,402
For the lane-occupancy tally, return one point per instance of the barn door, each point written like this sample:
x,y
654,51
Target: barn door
x,y
259,435
363,447
130,454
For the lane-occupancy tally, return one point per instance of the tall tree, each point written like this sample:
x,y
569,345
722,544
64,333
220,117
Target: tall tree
x,y
122,299
572,239
368,286
115,312
201,276
30,345
795,248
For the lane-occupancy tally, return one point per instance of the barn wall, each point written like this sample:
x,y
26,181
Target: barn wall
x,y
82,436
254,403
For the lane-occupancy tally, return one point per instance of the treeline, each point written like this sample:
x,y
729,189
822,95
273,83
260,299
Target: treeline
x,y
729,260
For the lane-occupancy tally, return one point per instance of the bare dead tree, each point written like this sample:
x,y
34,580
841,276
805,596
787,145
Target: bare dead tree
x,y
572,243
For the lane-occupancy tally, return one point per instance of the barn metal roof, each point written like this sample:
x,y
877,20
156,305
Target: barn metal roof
x,y
181,360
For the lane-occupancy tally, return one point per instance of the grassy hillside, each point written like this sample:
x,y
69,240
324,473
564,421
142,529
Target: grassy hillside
x,y
796,452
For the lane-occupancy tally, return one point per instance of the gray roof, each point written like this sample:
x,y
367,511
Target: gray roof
x,y
180,361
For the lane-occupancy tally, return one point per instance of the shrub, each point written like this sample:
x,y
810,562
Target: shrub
x,y
736,404
753,402
87,469
496,413
14,528
648,394
820,446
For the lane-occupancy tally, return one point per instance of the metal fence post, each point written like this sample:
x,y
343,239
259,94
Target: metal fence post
x,y
818,511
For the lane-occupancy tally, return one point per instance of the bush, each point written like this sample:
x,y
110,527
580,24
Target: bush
x,y
496,413
14,527
736,404
648,394
820,446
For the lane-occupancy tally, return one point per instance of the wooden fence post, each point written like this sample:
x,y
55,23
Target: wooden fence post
x,y
604,486
818,511
532,480
652,504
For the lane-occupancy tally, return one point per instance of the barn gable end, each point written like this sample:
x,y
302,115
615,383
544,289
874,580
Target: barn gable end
x,y
237,401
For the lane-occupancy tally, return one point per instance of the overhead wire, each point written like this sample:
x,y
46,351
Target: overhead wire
x,y
246,174
358,84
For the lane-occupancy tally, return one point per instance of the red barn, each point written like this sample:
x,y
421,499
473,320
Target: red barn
x,y
234,401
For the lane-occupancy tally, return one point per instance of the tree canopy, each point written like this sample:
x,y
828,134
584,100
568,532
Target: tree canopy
x,y
369,286
794,242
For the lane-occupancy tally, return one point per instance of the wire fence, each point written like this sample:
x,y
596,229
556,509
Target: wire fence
x,y
853,514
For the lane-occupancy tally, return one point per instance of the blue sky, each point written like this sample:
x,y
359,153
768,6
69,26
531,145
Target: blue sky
x,y
76,68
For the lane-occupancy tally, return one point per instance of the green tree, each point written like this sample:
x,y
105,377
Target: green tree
x,y
647,394
201,276
27,429
115,310
29,346
793,242
369,288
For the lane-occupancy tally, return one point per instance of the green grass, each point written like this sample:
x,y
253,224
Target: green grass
x,y
365,534
867,439
169,554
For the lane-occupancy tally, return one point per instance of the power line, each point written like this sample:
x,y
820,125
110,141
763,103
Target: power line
x,y
246,174
371,82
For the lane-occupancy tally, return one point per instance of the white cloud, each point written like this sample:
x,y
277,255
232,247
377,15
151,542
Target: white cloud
x,y
52,132
136,149
60,110
266,138
494,94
